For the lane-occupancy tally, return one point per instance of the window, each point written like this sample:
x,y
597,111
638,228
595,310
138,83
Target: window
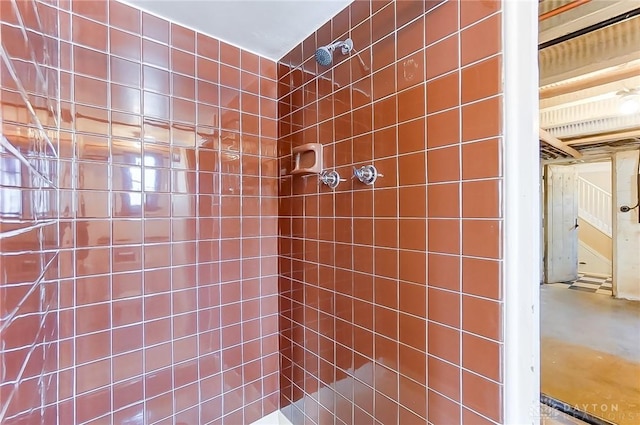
x,y
149,183
11,182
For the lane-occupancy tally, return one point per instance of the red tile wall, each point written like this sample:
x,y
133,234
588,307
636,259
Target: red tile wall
x,y
139,220
390,295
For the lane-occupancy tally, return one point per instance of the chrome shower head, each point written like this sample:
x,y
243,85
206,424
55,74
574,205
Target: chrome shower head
x,y
324,54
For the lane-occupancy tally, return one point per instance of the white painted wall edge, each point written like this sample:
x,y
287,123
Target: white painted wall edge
x,y
521,200
273,418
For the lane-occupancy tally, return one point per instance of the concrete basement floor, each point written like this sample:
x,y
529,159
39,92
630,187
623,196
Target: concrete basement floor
x,y
590,352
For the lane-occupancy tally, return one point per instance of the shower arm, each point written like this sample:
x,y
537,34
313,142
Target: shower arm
x,y
345,45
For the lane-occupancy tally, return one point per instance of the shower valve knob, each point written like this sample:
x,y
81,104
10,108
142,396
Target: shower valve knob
x,y
331,178
367,174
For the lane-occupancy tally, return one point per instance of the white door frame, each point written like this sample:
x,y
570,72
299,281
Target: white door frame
x,y
521,235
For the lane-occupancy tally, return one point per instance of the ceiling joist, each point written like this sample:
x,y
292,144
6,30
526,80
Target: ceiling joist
x,y
557,143
604,138
607,76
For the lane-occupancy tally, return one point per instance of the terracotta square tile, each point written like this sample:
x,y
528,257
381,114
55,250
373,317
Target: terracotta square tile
x,y
90,91
155,28
408,11
481,277
158,408
386,352
93,404
93,375
412,331
413,266
443,236
412,396
471,417
444,342
443,128
412,298
386,262
487,364
385,203
481,238
444,378
385,231
482,80
412,201
208,47
481,199
411,103
384,143
482,119
155,54
16,43
386,410
125,99
410,70
443,200
124,17
412,234
129,414
482,395
378,4
183,38
471,12
443,307
383,22
443,92
90,62
411,136
441,21
89,33
442,57
183,62
413,363
442,410
383,53
229,76
340,24
472,308
443,165
183,110
92,347
362,203
360,10
209,93
125,72
229,55
384,82
93,318
481,40
412,169
156,105
207,70
481,159
92,9
411,37
250,62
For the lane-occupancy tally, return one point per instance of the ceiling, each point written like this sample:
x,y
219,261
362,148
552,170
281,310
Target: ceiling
x,y
588,54
270,28
580,73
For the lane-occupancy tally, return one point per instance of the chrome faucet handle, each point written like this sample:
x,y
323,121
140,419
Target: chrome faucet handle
x,y
330,178
367,174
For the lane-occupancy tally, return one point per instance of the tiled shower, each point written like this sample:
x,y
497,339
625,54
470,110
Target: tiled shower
x,y
160,264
